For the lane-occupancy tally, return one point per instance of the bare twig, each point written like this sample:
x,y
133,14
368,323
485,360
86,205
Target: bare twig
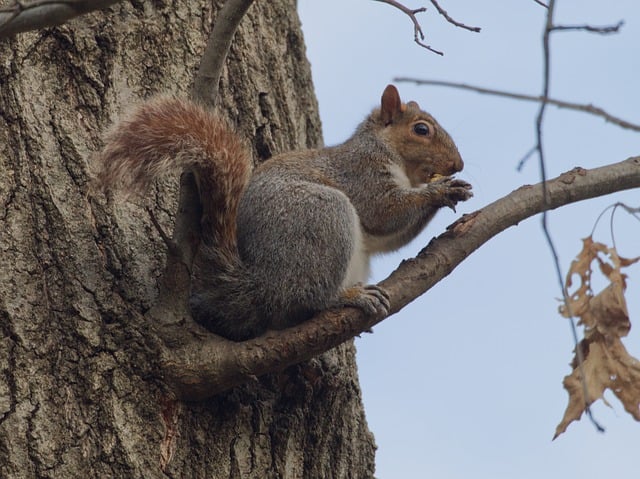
x,y
546,201
418,35
546,74
634,212
591,109
208,365
23,16
444,13
206,83
590,28
541,3
526,157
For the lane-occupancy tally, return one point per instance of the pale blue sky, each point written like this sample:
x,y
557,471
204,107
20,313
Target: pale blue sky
x,y
466,381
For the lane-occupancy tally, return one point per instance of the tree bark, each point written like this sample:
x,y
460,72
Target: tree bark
x,y
81,392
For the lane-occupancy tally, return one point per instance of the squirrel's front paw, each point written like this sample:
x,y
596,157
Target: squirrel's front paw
x,y
370,298
452,190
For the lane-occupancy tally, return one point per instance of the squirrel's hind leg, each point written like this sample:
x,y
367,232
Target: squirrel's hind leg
x,y
370,298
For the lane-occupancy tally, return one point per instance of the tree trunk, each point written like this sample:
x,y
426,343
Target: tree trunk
x,y
81,394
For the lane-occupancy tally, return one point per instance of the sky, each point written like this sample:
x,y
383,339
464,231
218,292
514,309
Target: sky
x,y
467,380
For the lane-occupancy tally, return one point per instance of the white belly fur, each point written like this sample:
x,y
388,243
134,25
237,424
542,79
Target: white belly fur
x,y
358,269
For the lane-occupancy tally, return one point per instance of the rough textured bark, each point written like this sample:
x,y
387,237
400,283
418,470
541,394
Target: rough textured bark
x,y
80,392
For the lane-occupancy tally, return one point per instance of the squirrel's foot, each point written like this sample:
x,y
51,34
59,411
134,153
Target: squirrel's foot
x,y
370,298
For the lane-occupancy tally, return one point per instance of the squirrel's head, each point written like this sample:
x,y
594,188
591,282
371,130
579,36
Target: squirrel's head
x,y
425,147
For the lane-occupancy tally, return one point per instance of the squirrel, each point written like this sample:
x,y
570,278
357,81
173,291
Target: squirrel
x,y
294,236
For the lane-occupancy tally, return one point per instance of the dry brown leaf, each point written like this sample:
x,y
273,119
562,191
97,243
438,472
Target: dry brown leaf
x,y
607,312
607,364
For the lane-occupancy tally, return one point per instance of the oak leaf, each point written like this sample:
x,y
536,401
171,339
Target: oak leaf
x,y
606,362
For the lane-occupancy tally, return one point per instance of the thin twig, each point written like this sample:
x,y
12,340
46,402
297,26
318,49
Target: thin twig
x,y
589,28
545,199
418,35
444,13
634,212
591,109
541,3
526,157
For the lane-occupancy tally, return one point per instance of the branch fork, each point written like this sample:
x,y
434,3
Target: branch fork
x,y
197,364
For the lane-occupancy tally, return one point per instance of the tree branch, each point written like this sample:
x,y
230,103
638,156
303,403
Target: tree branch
x,y
444,13
175,284
206,83
418,35
22,16
591,109
209,365
590,28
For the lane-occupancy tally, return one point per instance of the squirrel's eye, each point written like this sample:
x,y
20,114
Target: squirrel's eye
x,y
421,129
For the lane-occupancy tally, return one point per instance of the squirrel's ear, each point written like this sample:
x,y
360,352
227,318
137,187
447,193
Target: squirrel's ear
x,y
391,106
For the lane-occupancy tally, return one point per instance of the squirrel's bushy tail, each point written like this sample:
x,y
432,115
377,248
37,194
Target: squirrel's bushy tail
x,y
166,134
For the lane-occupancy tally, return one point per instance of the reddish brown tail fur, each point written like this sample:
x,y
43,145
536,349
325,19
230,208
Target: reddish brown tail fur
x,y
166,134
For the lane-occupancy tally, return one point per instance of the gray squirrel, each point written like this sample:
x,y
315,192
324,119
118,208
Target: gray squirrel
x,y
294,236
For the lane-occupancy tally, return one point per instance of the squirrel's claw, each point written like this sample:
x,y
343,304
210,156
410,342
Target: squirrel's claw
x,y
371,299
451,191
